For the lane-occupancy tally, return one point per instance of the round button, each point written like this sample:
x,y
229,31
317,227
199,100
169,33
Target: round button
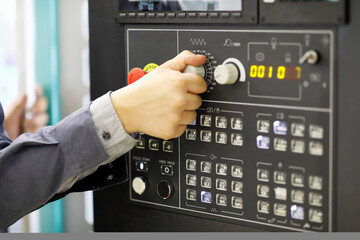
x,y
200,70
226,74
165,189
135,74
139,185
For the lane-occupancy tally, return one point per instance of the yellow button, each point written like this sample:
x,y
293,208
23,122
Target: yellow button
x,y
151,66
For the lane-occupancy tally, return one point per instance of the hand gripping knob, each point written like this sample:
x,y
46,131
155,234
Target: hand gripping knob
x,y
200,70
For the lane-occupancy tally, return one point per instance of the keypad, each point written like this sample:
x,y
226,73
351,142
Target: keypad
x,y
221,137
221,184
237,171
237,123
315,215
280,177
263,207
280,127
190,165
316,131
206,197
297,146
315,199
280,209
274,194
205,120
236,187
221,199
221,169
206,167
206,182
221,122
205,136
281,191
297,196
190,134
191,194
263,191
263,175
263,142
280,144
191,179
298,129
316,182
237,139
297,212
237,202
263,126
297,180
316,148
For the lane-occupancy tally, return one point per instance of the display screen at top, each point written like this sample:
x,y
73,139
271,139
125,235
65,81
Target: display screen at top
x,y
180,5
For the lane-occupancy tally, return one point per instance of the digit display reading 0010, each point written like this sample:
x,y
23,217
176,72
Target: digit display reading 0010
x,y
279,72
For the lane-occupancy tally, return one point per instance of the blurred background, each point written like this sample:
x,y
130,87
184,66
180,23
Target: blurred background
x,y
47,42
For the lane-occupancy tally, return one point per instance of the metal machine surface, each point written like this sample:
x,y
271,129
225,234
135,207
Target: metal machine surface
x,y
270,148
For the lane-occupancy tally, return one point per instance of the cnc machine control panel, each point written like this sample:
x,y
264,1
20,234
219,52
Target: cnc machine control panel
x,y
260,152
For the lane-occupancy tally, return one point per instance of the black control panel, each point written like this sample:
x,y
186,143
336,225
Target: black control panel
x,y
260,152
188,11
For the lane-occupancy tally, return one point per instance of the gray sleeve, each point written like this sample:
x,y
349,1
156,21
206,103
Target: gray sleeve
x,y
35,166
111,133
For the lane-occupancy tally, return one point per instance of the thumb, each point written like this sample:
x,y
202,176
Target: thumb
x,y
183,59
18,106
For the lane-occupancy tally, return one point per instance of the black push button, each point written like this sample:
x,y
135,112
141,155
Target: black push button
x,y
165,189
154,144
168,146
140,143
167,170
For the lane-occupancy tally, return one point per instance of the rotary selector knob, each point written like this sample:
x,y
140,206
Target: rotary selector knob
x,y
311,57
226,74
139,185
231,71
200,70
165,189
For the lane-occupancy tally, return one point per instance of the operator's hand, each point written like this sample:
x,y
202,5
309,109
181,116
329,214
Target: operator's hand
x,y
15,123
164,101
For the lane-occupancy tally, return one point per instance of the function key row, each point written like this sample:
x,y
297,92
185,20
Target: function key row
x,y
296,195
220,168
220,184
297,129
236,139
154,145
296,212
316,148
180,15
236,123
221,199
296,179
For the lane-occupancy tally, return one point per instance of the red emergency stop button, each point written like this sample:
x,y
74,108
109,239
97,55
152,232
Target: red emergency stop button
x,y
135,74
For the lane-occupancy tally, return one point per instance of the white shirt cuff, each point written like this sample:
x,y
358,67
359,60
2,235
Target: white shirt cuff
x,y
110,130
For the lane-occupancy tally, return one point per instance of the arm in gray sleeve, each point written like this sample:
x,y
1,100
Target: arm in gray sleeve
x,y
111,133
35,167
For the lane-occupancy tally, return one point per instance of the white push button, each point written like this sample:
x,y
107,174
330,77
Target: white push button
x,y
139,185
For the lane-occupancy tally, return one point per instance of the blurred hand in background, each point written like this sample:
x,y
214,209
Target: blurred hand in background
x,y
15,121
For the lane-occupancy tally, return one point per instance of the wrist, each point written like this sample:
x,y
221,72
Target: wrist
x,y
120,100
